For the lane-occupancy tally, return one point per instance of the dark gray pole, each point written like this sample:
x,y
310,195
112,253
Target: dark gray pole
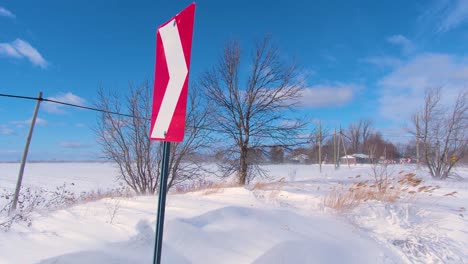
x,y
334,151
162,202
320,145
417,141
25,154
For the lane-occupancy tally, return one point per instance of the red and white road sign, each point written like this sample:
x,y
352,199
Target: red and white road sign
x,y
173,48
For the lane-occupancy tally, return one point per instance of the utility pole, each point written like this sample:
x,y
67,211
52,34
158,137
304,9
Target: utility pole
x,y
344,148
335,163
338,150
320,145
417,141
25,155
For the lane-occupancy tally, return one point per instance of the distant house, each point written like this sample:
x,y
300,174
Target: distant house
x,y
355,159
300,158
362,158
349,159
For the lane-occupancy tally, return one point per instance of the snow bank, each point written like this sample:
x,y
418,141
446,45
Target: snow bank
x,y
281,220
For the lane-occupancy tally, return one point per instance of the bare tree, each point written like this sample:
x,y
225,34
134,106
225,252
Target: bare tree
x,y
251,113
124,139
378,147
442,132
358,134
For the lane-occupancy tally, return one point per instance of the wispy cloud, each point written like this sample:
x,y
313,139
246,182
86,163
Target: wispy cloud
x,y
402,90
336,94
383,61
406,45
19,49
66,98
453,14
6,13
72,144
445,15
329,58
4,130
27,122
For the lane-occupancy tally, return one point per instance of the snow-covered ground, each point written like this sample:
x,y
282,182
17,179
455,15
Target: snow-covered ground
x,y
282,219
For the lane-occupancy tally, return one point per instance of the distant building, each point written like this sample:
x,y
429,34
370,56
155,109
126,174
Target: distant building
x,y
349,159
355,159
300,158
362,158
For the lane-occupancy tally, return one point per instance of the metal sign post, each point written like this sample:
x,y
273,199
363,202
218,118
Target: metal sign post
x,y
173,50
162,202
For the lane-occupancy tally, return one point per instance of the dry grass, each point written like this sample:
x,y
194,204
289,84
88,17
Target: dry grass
x,y
276,185
342,198
387,190
219,188
204,186
268,190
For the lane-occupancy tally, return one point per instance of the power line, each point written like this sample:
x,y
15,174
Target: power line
x,y
146,118
111,112
68,104
93,109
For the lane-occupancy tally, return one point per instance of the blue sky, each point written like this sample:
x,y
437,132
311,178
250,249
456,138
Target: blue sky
x,y
364,59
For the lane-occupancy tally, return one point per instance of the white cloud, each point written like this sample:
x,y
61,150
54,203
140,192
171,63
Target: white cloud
x,y
66,98
21,49
384,61
445,15
6,13
337,94
4,130
22,123
400,40
454,13
7,49
403,89
72,144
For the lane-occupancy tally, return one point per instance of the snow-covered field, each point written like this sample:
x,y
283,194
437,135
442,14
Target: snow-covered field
x,y
282,219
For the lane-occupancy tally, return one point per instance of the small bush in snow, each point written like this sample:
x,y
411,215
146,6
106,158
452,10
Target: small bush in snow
x,y
32,201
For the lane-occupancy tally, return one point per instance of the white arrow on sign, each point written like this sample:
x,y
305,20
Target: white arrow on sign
x,y
177,69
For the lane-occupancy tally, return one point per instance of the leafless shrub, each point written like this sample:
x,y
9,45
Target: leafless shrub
x,y
382,176
112,206
442,132
42,200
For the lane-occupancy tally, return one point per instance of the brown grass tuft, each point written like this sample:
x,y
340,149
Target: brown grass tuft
x,y
208,187
385,189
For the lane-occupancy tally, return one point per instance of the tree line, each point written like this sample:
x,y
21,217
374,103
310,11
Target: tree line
x,y
242,110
